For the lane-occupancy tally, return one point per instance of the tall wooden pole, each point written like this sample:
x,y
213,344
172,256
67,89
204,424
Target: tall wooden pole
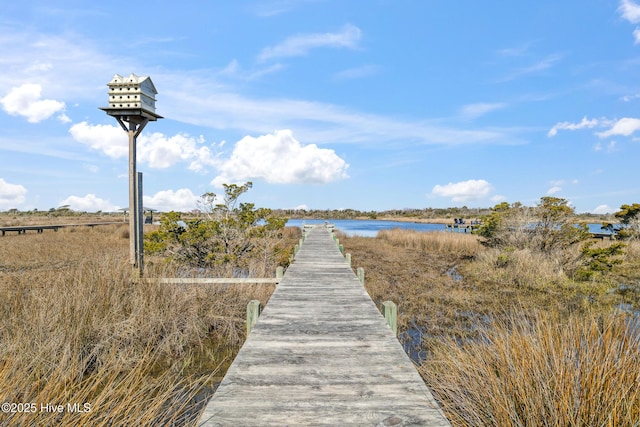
x,y
133,121
133,197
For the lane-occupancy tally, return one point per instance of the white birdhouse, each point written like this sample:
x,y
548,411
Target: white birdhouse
x,y
132,92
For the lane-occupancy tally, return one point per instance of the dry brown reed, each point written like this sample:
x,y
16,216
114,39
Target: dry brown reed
x,y
512,341
461,244
541,371
74,328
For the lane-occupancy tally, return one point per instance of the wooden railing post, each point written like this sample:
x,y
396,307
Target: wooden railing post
x,y
253,312
360,272
341,247
347,257
279,272
390,313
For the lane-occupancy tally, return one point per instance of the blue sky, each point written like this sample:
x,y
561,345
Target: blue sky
x,y
364,104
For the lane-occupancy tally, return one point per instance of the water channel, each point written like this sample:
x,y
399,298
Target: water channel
x,y
370,227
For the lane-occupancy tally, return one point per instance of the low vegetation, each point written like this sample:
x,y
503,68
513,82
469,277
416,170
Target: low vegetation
x,y
520,325
230,238
541,370
517,325
76,330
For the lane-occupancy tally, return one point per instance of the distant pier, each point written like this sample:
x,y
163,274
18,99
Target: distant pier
x,y
22,229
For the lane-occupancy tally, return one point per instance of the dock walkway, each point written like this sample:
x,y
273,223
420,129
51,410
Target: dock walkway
x,y
321,354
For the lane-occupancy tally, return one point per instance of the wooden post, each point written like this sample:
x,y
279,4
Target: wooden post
x,y
300,242
253,312
360,272
341,249
296,248
279,272
140,227
390,313
348,258
133,199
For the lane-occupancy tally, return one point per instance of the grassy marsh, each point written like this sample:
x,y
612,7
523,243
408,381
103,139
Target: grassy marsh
x,y
74,328
505,327
510,339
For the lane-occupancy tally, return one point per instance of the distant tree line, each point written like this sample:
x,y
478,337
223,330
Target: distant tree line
x,y
420,213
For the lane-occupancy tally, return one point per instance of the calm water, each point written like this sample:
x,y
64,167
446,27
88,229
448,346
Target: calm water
x,y
369,228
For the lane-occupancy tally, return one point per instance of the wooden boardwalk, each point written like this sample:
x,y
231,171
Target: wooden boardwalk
x,y
22,229
321,354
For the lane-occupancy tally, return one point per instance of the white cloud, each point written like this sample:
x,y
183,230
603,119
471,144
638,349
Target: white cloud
x,y
110,140
91,168
69,67
515,51
584,123
554,190
234,70
556,185
463,191
64,118
480,109
25,101
602,209
302,207
280,158
157,150
160,151
630,11
625,126
11,195
268,8
314,122
182,200
89,203
610,147
498,198
541,65
628,98
356,73
301,44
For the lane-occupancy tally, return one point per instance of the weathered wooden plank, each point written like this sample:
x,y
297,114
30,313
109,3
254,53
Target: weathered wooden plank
x,y
321,354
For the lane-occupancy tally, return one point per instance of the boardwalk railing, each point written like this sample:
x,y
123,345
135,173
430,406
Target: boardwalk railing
x,y
321,354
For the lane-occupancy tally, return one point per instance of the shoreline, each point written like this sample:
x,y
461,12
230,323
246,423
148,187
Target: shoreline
x,y
391,219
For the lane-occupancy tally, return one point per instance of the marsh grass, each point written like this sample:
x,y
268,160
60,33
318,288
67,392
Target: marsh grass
x,y
74,328
460,244
514,341
541,371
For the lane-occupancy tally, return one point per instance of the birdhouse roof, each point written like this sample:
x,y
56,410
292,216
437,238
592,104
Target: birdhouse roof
x,y
132,79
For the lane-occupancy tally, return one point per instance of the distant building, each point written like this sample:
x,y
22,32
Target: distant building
x,y
132,92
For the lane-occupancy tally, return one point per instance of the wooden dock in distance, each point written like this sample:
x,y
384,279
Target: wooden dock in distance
x,y
321,354
22,229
